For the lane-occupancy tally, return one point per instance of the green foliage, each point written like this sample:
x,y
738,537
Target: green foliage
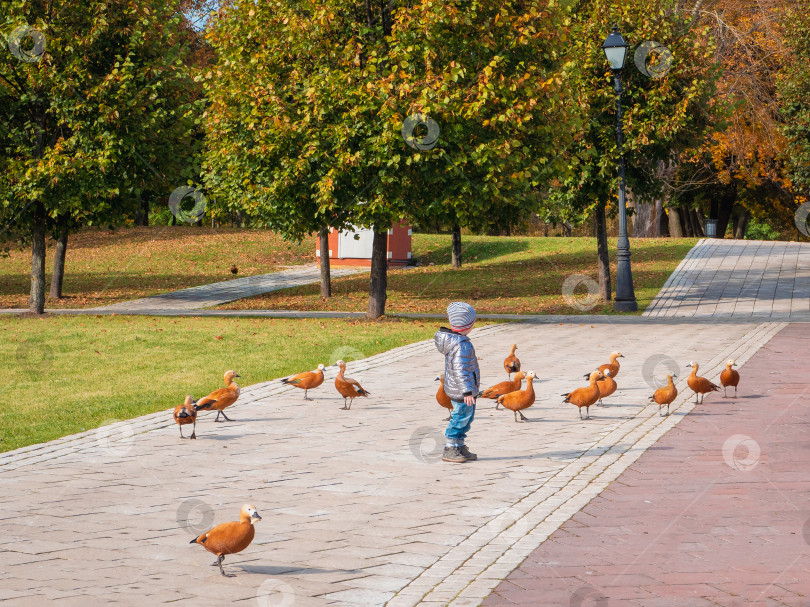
x,y
83,127
794,89
760,231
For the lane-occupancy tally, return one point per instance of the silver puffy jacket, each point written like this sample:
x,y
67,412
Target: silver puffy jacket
x,y
461,373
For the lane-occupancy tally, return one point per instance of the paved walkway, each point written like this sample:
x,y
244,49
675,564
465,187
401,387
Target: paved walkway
x,y
220,293
716,514
738,278
358,510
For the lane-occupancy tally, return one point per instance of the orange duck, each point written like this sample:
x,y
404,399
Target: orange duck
x,y
730,377
187,414
511,363
221,399
520,399
587,396
666,394
607,386
230,538
348,388
505,387
442,398
700,385
306,380
613,365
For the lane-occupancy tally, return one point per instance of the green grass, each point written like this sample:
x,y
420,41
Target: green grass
x,y
500,275
105,267
64,374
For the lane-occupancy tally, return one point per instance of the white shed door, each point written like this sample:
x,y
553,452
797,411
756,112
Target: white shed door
x,y
348,247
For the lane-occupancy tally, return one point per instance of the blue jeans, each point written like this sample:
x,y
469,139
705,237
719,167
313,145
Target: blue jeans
x,y
460,421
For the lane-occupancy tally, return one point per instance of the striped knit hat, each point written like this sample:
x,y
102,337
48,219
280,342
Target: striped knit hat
x,y
461,316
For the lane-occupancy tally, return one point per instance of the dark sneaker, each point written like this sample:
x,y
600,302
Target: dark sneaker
x,y
468,455
453,454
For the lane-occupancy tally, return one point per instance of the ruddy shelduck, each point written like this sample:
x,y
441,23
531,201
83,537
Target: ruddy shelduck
x,y
505,387
511,363
187,414
587,396
607,386
666,394
347,387
441,396
613,365
306,380
221,399
519,400
230,538
700,385
730,377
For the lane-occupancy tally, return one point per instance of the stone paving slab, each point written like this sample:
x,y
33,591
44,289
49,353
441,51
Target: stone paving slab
x,y
715,514
358,509
220,293
738,278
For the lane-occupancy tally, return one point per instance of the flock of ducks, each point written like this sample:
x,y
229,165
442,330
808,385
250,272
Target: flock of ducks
x,y
233,537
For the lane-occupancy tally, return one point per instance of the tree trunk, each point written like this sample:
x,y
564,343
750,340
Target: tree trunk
x,y
701,221
456,247
36,302
379,274
602,252
675,228
693,218
724,215
59,264
662,226
142,213
326,279
742,224
686,222
645,220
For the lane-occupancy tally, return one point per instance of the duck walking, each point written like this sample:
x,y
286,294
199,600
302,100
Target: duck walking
x,y
505,387
519,400
442,398
700,385
587,396
347,387
306,380
511,363
613,366
221,399
607,386
666,394
730,377
230,538
187,414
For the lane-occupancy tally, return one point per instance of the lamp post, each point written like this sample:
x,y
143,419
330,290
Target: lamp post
x,y
616,52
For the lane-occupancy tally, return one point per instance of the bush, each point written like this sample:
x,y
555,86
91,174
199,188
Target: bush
x,y
760,231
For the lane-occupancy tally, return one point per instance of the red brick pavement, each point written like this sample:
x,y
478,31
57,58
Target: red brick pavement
x,y
700,519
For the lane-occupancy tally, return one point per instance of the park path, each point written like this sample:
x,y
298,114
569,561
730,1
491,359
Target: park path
x,y
204,296
358,510
739,279
714,515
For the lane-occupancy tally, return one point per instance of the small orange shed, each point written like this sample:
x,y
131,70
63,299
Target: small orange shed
x,y
346,250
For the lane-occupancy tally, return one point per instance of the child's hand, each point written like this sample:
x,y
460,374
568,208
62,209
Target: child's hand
x,y
469,400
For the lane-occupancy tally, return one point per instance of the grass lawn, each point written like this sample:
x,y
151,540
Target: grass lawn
x,y
105,267
66,374
499,275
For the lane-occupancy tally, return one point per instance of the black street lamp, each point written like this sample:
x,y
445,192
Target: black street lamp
x,y
616,52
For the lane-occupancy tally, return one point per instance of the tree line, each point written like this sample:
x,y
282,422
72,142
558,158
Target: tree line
x,y
474,114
